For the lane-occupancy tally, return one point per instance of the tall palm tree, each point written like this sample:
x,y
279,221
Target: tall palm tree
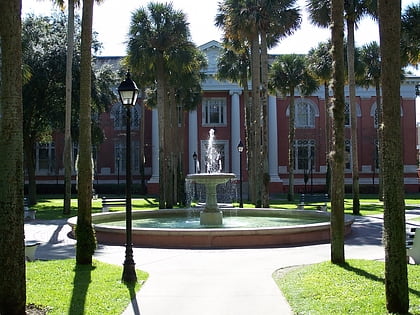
x,y
12,257
337,156
234,65
319,11
319,63
288,73
68,147
371,60
86,242
396,283
261,23
156,35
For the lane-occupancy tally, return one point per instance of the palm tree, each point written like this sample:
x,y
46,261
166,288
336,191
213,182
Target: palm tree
x,y
261,24
371,60
337,155
12,257
396,283
234,65
410,35
86,242
288,73
156,36
276,20
319,11
68,147
319,63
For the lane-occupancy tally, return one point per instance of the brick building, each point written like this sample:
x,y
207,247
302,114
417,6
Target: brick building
x,y
222,110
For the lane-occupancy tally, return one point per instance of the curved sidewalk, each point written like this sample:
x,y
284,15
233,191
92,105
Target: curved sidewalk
x,y
211,282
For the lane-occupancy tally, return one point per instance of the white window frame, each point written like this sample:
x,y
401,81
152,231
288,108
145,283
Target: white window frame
x,y
217,106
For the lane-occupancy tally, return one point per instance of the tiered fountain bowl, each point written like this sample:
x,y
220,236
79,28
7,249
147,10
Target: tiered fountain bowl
x,y
211,215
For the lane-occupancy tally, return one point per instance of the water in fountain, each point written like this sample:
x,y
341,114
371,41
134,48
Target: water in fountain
x,y
211,215
214,162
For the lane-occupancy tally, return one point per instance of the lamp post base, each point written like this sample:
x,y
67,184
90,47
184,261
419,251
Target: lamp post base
x,y
129,271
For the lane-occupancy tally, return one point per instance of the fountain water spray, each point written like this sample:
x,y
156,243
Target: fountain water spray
x,y
211,215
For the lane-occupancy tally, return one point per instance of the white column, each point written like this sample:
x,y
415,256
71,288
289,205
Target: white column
x,y
235,132
272,140
155,147
192,139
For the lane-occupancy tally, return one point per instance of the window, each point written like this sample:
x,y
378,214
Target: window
x,y
214,112
221,148
347,121
45,158
119,112
120,157
305,115
347,154
304,154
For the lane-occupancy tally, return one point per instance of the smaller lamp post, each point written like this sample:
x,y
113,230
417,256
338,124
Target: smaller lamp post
x,y
118,169
128,93
195,162
240,150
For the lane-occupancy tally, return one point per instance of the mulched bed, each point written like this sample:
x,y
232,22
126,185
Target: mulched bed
x,y
32,309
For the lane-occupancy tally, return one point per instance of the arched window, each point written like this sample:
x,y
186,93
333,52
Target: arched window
x,y
374,114
347,119
305,113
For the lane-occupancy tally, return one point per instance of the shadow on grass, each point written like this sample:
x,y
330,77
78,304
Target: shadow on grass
x,y
81,282
133,300
367,275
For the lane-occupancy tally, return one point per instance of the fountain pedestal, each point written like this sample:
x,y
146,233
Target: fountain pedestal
x,y
211,215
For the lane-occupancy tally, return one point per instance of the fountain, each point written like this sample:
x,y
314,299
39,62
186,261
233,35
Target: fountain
x,y
227,228
211,215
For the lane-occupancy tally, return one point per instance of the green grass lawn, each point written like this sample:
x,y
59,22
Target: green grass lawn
x,y
62,287
356,287
51,207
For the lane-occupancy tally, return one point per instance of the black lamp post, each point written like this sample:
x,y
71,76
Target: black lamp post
x,y
128,93
240,150
118,168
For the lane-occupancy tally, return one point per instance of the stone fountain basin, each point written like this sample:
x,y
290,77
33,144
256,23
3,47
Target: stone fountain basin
x,y
216,178
214,237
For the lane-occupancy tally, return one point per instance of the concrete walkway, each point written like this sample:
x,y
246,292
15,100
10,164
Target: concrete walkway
x,y
211,282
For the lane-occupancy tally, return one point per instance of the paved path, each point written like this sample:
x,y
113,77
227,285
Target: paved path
x,y
211,282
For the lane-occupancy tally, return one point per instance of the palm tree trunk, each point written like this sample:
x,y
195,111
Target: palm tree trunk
x,y
353,114
396,282
380,140
12,257
264,128
85,235
256,117
327,138
160,83
68,163
337,189
291,192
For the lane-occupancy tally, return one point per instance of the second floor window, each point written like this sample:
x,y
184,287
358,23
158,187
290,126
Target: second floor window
x,y
305,115
119,114
214,112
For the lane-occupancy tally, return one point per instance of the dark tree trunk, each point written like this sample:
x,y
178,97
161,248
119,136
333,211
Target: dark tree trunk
x,y
86,243
396,283
337,189
12,250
